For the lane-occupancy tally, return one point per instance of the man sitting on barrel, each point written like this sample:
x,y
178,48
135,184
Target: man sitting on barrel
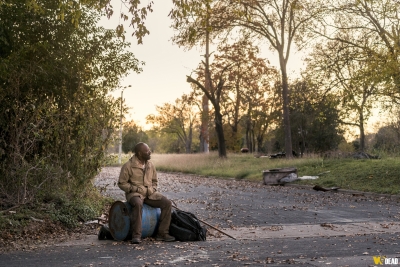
x,y
138,179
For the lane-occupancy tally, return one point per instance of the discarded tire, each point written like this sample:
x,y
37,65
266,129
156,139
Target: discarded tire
x,y
273,176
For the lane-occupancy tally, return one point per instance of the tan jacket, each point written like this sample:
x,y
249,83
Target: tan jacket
x,y
136,181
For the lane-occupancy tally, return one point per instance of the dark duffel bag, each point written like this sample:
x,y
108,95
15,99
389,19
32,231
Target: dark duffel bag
x,y
186,227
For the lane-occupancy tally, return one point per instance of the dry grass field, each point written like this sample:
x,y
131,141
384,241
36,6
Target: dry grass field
x,y
371,175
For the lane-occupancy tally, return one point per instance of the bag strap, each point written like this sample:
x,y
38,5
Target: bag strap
x,y
187,216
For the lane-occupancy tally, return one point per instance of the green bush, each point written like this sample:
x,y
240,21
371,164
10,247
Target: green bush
x,y
57,116
72,212
69,210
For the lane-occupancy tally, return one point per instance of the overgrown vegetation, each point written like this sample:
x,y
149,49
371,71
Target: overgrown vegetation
x,y
370,175
51,218
56,113
56,207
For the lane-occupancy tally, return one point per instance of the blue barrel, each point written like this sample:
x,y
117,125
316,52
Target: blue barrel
x,y
119,220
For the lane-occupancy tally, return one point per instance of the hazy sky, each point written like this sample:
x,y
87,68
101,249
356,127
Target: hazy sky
x,y
166,65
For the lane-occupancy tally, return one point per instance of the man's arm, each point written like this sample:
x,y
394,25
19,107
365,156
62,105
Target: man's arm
x,y
154,179
123,181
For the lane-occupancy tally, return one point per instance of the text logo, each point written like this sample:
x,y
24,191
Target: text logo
x,y
383,260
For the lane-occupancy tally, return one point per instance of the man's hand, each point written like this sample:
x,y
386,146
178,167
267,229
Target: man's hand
x,y
151,190
133,189
141,189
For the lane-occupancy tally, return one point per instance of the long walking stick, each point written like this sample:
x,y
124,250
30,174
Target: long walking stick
x,y
215,228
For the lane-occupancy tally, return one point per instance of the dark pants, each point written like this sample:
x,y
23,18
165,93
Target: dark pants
x,y
136,216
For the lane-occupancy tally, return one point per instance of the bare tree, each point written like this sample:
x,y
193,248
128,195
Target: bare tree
x,y
375,29
178,119
282,24
191,22
345,71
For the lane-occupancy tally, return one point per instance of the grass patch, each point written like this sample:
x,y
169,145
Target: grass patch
x,y
379,176
236,165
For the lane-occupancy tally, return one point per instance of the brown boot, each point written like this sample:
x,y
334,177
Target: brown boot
x,y
136,240
165,237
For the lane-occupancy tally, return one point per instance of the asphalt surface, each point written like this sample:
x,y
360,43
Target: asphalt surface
x,y
273,226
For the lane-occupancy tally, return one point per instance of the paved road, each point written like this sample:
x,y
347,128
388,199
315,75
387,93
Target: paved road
x,y
273,226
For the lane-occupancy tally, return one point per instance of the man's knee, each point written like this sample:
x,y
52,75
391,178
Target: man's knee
x,y
167,203
136,202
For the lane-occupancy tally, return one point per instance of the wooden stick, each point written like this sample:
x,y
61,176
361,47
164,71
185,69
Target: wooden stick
x,y
15,207
215,228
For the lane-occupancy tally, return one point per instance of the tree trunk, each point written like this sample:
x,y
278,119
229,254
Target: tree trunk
x,y
204,135
247,139
204,147
302,147
189,140
236,114
248,135
285,98
220,134
234,129
362,132
260,141
253,140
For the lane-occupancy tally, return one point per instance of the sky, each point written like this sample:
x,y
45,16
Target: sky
x,y
163,78
166,65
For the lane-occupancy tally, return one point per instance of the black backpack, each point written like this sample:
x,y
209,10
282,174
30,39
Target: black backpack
x,y
186,227
105,233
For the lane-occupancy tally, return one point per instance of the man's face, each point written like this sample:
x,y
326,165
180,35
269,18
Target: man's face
x,y
145,152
